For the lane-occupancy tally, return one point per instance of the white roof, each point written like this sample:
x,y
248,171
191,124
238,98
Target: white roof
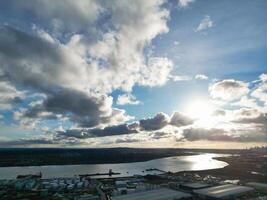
x,y
223,191
158,194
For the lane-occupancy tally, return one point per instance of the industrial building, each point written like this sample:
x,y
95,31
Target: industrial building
x,y
158,194
194,186
258,186
228,191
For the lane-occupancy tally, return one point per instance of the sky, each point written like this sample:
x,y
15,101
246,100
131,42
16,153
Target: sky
x,y
121,73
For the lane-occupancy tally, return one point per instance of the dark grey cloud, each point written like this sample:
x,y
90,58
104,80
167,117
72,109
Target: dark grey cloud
x,y
86,111
251,116
159,135
155,123
97,132
259,119
178,120
49,68
197,134
152,124
256,119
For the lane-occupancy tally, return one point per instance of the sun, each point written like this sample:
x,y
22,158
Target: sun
x,y
199,109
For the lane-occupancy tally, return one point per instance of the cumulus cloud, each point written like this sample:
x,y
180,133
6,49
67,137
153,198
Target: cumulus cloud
x,y
247,102
155,123
9,95
184,3
157,72
159,135
263,77
215,134
261,92
160,121
85,110
178,120
195,134
127,99
83,133
228,90
77,74
79,14
205,23
250,115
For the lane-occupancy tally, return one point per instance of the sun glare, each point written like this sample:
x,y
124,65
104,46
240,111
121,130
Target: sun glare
x,y
199,109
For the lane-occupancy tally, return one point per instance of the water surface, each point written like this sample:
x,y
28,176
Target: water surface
x,y
173,164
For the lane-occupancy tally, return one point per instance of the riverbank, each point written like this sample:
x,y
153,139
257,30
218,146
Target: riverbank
x,y
245,168
46,157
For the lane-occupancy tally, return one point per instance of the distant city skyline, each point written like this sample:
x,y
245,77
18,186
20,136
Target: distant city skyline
x,y
143,73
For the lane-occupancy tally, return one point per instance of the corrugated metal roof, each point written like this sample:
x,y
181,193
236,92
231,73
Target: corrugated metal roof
x,y
223,191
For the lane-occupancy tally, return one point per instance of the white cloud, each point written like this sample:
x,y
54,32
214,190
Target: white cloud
x,y
79,14
263,77
246,102
261,92
77,75
185,3
156,72
9,95
228,90
180,78
127,99
205,23
201,77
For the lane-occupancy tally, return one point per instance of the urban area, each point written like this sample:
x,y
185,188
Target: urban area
x,y
164,186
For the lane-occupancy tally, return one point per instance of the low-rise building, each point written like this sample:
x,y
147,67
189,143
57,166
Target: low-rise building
x,y
194,186
258,186
227,191
158,194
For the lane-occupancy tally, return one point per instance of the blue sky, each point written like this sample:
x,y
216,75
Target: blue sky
x,y
182,73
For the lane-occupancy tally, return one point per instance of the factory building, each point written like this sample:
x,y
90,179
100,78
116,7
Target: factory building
x,y
228,191
258,186
157,194
194,186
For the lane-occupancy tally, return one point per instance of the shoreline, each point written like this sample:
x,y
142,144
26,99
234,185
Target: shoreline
x,y
238,168
100,163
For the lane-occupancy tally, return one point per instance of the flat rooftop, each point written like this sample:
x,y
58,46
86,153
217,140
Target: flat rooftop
x,y
158,194
223,191
256,185
197,185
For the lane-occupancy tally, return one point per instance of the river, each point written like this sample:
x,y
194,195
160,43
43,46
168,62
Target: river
x,y
174,164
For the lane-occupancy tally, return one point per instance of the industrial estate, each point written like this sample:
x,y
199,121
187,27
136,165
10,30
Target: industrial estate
x,y
208,184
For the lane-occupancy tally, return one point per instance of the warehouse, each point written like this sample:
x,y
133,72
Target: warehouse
x,y
228,191
193,186
158,194
258,186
